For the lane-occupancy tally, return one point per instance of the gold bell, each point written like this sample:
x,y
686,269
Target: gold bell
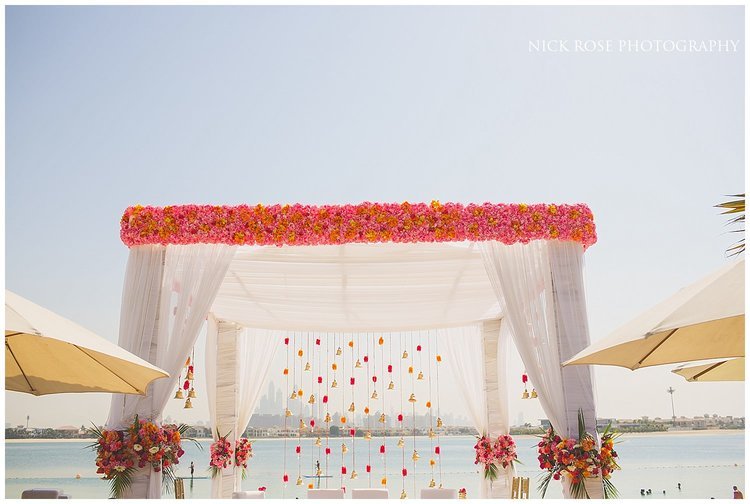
x,y
179,394
299,480
344,449
403,494
294,395
368,436
432,483
188,404
327,419
317,442
287,413
307,366
391,386
412,398
430,433
405,355
302,425
382,418
189,376
439,422
351,408
525,394
534,394
312,399
374,394
401,443
192,393
334,384
415,456
420,376
357,365
354,474
338,351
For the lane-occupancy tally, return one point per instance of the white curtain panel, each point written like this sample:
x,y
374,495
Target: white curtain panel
x,y
246,361
166,297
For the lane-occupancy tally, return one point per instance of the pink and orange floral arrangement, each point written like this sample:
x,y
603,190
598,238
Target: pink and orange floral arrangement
x,y
493,452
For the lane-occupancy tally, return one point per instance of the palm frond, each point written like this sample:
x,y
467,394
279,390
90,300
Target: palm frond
x,y
167,479
121,482
579,491
736,206
544,483
610,492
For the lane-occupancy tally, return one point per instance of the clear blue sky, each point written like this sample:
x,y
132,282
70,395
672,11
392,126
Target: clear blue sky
x,y
112,106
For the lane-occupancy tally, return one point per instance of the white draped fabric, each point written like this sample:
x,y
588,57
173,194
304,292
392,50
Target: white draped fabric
x,y
166,297
238,362
478,357
541,286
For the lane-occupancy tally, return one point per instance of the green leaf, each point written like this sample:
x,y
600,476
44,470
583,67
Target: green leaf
x,y
544,483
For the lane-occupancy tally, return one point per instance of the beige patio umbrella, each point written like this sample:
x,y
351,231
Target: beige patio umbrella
x,y
48,354
726,370
705,320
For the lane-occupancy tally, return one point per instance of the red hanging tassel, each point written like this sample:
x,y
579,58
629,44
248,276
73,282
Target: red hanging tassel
x,y
524,378
404,472
390,368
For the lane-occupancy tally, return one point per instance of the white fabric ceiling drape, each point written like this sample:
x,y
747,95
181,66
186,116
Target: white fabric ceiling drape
x,y
254,353
166,297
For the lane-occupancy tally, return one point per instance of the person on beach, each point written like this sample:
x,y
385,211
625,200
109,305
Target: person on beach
x,y
737,493
192,470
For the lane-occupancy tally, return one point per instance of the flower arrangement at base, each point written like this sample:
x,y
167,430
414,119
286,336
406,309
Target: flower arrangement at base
x,y
491,452
142,444
221,454
462,493
578,459
243,450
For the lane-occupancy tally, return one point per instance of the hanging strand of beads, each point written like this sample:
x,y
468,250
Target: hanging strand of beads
x,y
413,401
381,418
430,430
309,368
439,422
287,413
368,433
343,420
298,397
327,419
353,408
400,418
319,379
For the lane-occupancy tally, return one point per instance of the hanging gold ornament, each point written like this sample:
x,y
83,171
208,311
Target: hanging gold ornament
x,y
338,351
368,436
412,399
344,448
391,386
382,418
299,480
334,383
192,394
354,474
525,394
403,494
432,463
294,395
401,443
179,394
415,456
327,418
420,376
430,433
189,376
374,394
534,394
312,399
187,362
318,442
302,425
288,413
405,355
188,404
432,483
357,365
351,408
439,422
307,366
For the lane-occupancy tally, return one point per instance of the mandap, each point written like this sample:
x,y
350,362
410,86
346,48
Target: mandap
x,y
464,276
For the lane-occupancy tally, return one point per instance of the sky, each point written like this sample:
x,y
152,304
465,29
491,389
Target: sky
x,y
108,107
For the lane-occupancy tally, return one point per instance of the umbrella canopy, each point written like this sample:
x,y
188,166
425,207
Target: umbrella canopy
x,y
48,354
705,320
726,370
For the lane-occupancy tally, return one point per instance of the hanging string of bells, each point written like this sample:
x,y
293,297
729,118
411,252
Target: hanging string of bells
x,y
525,394
188,386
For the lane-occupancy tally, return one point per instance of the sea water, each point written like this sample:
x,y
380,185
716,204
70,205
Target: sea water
x,y
706,464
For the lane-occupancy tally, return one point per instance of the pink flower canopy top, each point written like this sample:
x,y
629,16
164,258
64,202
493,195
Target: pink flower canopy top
x,y
363,223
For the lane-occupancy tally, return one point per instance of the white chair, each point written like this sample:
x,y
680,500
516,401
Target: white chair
x,y
326,493
369,493
438,493
249,494
40,493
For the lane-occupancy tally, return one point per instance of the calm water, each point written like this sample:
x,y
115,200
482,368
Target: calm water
x,y
706,464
